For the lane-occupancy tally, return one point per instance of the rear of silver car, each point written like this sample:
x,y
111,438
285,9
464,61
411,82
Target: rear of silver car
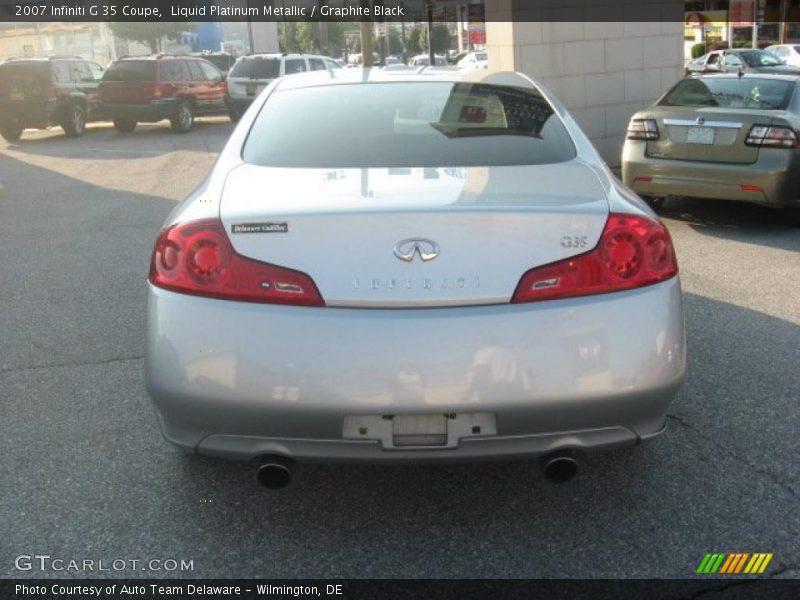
x,y
432,305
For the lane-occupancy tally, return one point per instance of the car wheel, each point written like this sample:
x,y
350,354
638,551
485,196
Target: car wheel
x,y
74,122
235,115
11,132
184,118
655,202
124,125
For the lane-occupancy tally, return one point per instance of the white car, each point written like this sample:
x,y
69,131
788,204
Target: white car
x,y
405,266
788,53
474,60
424,60
253,72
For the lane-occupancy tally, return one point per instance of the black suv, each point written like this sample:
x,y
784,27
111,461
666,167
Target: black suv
x,y
40,92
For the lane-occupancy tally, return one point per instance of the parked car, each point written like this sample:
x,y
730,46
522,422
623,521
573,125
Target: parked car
x,y
722,136
745,60
254,72
153,88
474,60
41,92
368,274
789,54
222,60
424,60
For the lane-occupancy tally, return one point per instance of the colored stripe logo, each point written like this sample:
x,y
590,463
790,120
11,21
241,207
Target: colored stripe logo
x,y
734,563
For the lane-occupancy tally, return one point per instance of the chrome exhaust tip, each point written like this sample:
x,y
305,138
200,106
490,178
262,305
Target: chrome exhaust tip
x,y
274,472
559,467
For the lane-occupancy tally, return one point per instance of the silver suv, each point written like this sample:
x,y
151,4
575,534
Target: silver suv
x,y
253,72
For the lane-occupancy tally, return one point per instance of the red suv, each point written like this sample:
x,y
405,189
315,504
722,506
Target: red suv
x,y
152,88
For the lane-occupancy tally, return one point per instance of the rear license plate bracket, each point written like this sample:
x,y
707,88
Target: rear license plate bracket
x,y
700,135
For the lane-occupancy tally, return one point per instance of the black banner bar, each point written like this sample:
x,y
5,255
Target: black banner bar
x,y
729,588
21,11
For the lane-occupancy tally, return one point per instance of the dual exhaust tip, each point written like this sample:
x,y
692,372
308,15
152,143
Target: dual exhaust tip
x,y
275,472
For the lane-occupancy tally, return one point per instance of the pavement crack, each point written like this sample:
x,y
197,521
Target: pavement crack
x,y
776,479
73,364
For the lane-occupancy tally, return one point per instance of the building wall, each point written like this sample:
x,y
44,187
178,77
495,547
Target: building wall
x,y
602,71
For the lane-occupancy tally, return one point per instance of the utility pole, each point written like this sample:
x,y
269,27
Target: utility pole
x,y
366,38
431,54
782,25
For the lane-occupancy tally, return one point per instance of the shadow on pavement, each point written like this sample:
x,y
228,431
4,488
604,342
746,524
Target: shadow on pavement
x,y
735,221
148,139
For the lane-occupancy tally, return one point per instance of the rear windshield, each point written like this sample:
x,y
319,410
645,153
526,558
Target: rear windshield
x,y
24,75
131,70
760,58
257,68
222,61
747,92
410,124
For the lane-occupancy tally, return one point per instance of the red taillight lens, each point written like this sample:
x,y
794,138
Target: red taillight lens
x,y
777,137
197,258
642,129
633,251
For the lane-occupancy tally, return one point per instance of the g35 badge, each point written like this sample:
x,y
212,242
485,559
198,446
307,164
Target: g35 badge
x,y
574,241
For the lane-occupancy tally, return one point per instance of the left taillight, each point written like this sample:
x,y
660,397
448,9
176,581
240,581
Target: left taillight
x,y
642,129
197,258
633,251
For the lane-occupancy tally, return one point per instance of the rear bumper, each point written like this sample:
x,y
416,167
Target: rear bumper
x,y
240,380
156,110
31,113
773,180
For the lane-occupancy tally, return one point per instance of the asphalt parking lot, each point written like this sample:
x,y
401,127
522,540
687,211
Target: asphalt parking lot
x,y
87,475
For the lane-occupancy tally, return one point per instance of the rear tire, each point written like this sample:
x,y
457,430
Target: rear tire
x,y
792,214
124,125
11,132
183,120
74,122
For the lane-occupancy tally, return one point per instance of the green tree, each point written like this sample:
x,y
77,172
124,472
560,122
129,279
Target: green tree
x,y
440,39
415,40
150,33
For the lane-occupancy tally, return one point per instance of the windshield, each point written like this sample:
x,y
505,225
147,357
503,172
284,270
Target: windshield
x,y
410,124
131,70
747,92
760,58
257,67
481,56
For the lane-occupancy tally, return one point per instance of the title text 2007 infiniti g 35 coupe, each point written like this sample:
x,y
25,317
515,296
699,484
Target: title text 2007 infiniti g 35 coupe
x,y
411,266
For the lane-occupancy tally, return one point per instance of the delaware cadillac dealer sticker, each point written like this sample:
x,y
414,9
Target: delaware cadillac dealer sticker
x,y
260,228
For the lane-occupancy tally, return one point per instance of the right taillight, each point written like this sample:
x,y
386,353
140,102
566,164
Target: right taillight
x,y
774,136
642,129
633,251
197,258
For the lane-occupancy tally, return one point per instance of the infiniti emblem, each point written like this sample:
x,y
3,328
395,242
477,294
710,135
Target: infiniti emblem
x,y
406,249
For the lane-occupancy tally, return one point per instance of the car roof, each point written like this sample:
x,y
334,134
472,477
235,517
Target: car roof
x,y
282,55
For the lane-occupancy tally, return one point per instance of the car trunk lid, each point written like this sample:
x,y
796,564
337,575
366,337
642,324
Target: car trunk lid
x,y
707,135
368,237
